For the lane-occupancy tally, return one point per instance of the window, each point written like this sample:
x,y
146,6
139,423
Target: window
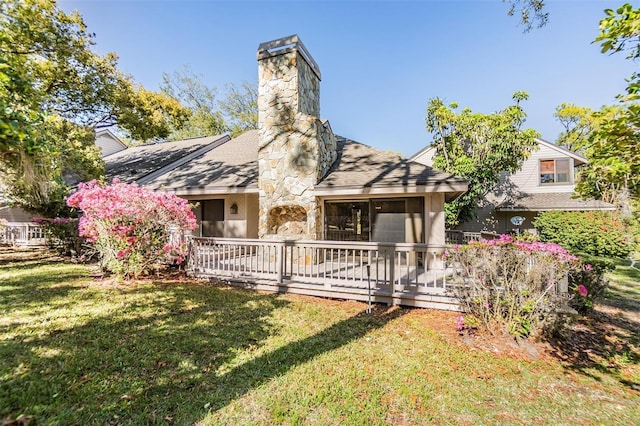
x,y
347,221
385,220
555,171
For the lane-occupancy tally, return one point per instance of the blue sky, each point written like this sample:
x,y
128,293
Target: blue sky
x,y
381,62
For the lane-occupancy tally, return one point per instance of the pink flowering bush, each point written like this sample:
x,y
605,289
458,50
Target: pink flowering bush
x,y
131,226
512,286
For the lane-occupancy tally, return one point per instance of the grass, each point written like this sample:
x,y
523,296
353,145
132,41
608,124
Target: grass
x,y
80,351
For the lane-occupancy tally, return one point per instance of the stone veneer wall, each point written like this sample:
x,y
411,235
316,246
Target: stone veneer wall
x,y
296,149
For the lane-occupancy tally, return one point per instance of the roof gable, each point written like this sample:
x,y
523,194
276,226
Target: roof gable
x,y
579,159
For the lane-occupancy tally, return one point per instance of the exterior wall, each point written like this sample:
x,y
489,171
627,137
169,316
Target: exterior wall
x,y
528,178
235,224
108,144
253,210
243,224
425,157
295,148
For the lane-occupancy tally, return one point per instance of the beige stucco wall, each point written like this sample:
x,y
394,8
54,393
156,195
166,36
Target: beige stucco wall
x,y
243,224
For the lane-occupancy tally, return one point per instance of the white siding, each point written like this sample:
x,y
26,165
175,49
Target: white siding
x,y
108,144
528,178
425,157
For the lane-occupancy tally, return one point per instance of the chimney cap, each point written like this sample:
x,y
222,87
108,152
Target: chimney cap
x,y
285,45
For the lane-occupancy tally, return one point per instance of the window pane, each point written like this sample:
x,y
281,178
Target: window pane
x,y
546,171
347,221
563,172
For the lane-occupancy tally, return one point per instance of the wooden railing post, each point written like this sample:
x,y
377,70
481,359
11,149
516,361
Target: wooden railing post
x,y
280,259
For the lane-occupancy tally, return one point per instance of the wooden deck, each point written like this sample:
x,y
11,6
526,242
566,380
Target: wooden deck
x,y
395,274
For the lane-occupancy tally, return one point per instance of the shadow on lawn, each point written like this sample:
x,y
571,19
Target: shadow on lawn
x,y
608,338
255,372
159,353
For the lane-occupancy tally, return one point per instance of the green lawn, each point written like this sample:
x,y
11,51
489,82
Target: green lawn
x,y
74,350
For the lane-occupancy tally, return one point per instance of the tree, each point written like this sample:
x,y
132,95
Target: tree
x,y
532,13
478,147
236,113
620,32
579,123
240,107
613,171
200,99
54,91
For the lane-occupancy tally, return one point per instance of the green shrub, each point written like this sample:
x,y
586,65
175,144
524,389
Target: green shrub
x,y
587,284
593,233
62,236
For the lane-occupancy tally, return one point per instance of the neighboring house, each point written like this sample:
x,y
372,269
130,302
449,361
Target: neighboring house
x,y
108,142
293,178
546,181
20,221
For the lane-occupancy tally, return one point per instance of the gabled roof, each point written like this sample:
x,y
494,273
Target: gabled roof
x,y
579,159
230,167
359,169
142,163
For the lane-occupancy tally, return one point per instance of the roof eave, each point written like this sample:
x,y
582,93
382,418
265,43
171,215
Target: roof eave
x,y
454,189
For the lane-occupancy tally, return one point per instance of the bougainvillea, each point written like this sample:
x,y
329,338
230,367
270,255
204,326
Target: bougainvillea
x,y
515,286
132,226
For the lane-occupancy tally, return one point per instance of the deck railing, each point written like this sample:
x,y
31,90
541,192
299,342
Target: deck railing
x,y
22,234
459,237
408,274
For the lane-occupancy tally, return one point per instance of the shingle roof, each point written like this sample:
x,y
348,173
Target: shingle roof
x,y
132,164
361,166
552,201
232,165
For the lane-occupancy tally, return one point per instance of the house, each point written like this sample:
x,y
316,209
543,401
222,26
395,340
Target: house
x,y
546,181
108,142
293,178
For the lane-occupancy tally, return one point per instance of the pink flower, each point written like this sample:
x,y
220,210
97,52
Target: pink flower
x,y
460,323
582,290
588,267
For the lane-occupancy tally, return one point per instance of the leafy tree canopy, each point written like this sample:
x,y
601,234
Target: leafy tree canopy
x,y
54,91
580,122
620,32
613,171
478,147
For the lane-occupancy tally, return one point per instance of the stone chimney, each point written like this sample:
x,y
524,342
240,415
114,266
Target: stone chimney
x,y
296,149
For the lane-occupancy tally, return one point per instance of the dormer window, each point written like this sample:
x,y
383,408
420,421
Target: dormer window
x,y
555,171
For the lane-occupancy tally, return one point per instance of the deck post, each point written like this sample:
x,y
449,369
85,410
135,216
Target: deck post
x,y
280,259
391,251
